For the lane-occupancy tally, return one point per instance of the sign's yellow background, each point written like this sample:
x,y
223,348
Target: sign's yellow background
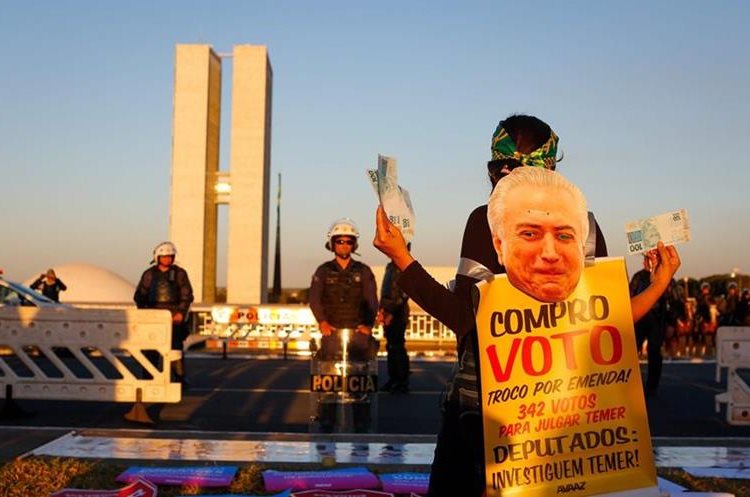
x,y
548,431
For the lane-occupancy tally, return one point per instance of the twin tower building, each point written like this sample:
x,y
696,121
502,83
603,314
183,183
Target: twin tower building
x,y
197,184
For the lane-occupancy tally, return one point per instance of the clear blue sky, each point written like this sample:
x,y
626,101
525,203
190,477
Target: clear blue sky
x,y
651,101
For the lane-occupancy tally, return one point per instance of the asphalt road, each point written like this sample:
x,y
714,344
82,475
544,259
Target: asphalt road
x,y
272,395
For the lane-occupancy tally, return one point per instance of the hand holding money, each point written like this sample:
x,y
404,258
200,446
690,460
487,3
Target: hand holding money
x,y
670,228
665,261
390,241
394,199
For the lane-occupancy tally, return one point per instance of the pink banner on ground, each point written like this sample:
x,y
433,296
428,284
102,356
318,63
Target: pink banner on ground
x,y
404,483
200,476
139,488
285,493
341,493
335,479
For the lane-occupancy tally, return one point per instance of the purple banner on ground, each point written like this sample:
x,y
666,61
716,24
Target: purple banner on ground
x,y
334,479
286,493
200,476
341,493
139,488
404,483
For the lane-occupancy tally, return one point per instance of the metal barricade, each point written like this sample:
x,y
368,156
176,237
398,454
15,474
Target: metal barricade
x,y
733,353
85,354
344,384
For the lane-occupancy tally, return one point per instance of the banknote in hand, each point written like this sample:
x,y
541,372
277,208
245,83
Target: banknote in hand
x,y
394,199
671,228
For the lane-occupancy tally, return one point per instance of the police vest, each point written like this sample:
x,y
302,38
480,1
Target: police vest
x,y
342,294
163,292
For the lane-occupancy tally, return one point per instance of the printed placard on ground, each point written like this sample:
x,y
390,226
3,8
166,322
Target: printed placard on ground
x,y
334,479
562,399
341,493
200,476
286,493
139,488
404,483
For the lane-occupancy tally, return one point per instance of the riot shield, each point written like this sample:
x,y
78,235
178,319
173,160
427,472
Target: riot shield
x,y
344,384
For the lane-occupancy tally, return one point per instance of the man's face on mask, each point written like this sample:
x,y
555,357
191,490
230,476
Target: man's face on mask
x,y
542,249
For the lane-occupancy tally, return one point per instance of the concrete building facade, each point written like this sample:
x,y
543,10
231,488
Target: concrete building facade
x,y
197,185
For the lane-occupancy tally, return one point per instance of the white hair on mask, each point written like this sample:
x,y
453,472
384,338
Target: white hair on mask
x,y
536,177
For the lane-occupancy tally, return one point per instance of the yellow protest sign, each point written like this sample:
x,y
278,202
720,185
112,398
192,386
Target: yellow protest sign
x,y
562,400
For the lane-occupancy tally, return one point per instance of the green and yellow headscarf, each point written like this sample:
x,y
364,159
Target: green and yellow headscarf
x,y
503,147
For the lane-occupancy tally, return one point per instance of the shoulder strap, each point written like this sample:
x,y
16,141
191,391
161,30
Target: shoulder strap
x,y
591,239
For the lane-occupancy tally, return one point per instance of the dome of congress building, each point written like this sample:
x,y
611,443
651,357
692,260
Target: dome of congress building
x,y
90,284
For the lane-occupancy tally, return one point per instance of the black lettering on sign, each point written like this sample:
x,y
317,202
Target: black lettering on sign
x,y
355,383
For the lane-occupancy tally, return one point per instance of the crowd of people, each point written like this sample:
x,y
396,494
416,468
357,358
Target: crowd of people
x,y
689,322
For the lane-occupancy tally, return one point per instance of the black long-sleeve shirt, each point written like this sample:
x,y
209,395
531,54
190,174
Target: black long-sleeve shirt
x,y
49,290
393,299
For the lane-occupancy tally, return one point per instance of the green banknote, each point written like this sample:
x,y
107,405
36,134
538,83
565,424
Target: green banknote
x,y
394,199
671,228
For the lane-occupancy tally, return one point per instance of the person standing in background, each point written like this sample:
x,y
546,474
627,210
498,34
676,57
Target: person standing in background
x,y
49,285
394,314
650,328
166,285
343,296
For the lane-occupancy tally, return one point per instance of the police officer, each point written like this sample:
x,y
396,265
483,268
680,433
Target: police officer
x,y
343,295
166,286
706,312
650,328
394,314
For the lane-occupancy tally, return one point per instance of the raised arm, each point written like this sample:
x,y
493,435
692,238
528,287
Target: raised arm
x,y
390,241
450,309
665,261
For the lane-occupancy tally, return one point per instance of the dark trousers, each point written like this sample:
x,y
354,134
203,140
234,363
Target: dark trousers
x,y
398,359
458,465
179,334
651,328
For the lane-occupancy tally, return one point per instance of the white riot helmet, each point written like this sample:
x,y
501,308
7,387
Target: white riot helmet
x,y
164,248
342,227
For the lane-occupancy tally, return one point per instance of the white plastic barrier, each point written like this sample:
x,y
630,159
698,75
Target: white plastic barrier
x,y
86,354
733,353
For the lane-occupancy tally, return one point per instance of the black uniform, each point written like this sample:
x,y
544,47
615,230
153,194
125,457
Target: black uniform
x,y
395,302
650,328
170,290
458,465
51,291
345,298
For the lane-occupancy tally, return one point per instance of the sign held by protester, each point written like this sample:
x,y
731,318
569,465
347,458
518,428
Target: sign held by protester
x,y
562,400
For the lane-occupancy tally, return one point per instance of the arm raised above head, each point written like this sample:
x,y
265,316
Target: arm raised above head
x,y
454,311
